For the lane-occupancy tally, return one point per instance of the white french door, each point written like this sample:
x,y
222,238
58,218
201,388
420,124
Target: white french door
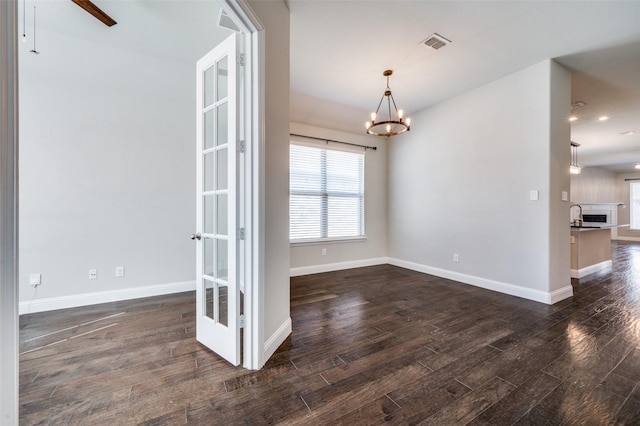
x,y
218,301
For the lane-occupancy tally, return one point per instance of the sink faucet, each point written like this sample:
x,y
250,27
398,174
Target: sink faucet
x,y
578,221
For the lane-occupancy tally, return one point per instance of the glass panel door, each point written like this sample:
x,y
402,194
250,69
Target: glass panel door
x,y
217,290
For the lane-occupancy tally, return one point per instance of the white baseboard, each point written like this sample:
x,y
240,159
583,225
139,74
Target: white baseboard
x,y
619,238
328,267
73,301
583,272
276,339
514,290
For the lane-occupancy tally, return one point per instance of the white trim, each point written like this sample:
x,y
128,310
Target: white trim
x,y
627,238
511,289
583,272
249,24
561,294
328,267
9,213
276,339
73,301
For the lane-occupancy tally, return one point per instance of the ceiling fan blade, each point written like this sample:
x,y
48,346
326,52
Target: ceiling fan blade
x,y
95,11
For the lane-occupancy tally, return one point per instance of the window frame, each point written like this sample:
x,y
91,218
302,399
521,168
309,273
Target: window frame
x,y
632,207
324,196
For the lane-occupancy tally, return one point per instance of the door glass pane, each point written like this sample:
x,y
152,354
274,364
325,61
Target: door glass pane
x,y
208,297
207,256
207,213
223,306
223,131
223,78
222,227
207,167
223,259
208,129
221,169
208,86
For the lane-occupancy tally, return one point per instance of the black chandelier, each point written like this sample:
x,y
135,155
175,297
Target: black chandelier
x,y
394,124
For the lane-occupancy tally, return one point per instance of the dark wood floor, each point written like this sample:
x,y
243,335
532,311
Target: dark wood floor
x,y
371,345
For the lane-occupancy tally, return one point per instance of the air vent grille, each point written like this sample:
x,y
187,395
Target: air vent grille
x,y
436,41
578,104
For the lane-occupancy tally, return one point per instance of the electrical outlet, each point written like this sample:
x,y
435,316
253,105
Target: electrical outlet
x,y
456,257
324,251
93,274
119,271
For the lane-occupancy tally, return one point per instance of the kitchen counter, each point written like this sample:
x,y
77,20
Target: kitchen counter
x,y
590,249
595,228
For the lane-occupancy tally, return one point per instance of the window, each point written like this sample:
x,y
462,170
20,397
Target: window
x,y
326,198
634,190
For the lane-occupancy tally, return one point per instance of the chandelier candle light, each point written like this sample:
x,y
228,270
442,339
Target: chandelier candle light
x,y
395,124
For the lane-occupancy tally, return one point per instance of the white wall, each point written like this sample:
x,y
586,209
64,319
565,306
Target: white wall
x,y
559,96
460,182
107,172
277,323
308,258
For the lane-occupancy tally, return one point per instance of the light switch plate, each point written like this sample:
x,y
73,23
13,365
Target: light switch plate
x,y
534,195
565,196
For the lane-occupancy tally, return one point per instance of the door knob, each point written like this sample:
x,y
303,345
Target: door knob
x,y
196,236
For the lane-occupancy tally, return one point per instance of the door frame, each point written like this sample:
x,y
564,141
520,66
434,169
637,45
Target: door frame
x,y
9,213
254,214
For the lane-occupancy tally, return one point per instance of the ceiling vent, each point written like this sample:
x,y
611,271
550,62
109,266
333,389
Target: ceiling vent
x,y
436,41
578,104
225,21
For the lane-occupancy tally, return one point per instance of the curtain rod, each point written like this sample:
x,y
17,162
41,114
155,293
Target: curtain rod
x,y
628,179
329,140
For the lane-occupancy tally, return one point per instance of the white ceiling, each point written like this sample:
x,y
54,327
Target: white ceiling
x,y
340,48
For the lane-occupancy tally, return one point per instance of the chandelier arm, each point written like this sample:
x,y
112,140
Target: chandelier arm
x,y
395,106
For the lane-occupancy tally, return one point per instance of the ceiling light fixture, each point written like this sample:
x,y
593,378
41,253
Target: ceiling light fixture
x,y
603,118
395,123
574,168
637,165
573,118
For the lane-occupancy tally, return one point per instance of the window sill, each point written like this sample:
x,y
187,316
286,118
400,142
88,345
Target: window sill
x,y
327,241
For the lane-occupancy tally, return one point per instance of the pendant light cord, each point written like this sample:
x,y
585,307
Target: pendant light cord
x,y
34,30
24,20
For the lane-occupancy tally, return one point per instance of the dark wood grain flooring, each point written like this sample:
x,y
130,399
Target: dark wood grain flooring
x,y
375,345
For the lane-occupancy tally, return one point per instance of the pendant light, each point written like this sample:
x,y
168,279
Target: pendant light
x,y
574,168
395,122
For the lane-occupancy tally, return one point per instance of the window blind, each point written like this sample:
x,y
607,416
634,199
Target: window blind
x,y
326,199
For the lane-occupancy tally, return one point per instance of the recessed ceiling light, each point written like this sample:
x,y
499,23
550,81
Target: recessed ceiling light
x,y
638,166
628,133
603,118
573,118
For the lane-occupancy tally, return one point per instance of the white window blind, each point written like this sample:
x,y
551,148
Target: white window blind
x,y
326,199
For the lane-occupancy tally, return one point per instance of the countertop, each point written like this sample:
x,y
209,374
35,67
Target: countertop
x,y
595,228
